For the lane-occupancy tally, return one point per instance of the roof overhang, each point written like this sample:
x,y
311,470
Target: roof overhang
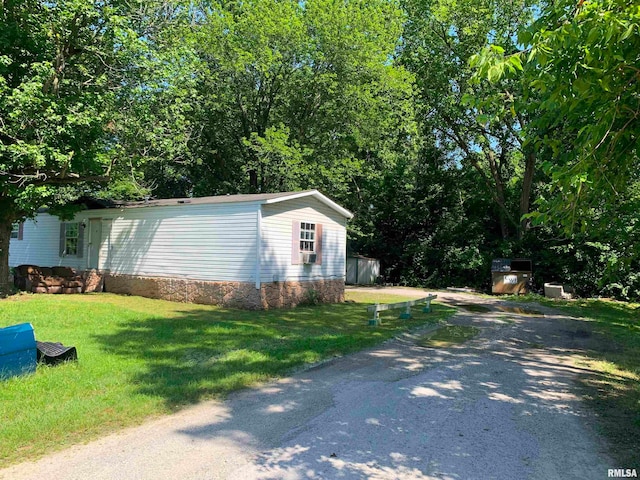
x,y
311,193
258,199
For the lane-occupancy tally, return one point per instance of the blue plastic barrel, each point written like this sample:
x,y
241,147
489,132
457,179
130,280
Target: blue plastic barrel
x,y
17,350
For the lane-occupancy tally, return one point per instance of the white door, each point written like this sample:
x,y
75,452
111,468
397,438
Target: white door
x,y
95,237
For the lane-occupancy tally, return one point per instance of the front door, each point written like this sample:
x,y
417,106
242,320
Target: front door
x,y
95,237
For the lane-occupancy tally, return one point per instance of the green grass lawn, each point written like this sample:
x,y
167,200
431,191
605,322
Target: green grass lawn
x,y
613,387
140,358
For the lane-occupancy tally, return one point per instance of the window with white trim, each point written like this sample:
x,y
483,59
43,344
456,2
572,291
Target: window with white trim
x,y
306,243
307,237
71,234
15,230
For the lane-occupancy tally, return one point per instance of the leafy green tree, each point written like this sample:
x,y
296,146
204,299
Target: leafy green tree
x,y
579,64
476,122
581,60
587,57
427,223
64,68
295,95
158,119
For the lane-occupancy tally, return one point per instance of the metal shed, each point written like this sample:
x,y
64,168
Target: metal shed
x,y
511,275
362,270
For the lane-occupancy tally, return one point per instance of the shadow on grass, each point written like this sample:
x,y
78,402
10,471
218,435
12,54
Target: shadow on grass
x,y
204,353
617,401
614,392
612,389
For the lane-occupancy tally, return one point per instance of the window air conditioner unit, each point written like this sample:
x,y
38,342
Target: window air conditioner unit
x,y
309,258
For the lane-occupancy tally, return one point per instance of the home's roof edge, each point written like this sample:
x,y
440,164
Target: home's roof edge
x,y
257,198
314,193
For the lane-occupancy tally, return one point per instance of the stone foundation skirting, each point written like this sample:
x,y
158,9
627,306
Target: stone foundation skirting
x,y
93,281
291,294
228,294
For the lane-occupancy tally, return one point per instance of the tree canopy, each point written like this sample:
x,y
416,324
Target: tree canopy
x,y
582,64
60,68
456,130
293,95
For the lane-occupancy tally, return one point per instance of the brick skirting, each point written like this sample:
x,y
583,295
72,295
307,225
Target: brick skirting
x,y
228,294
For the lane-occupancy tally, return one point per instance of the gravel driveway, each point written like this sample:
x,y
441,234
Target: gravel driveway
x,y
502,406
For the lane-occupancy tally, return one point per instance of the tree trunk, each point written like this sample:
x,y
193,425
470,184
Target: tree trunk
x,y
495,189
499,185
8,216
525,195
253,181
504,228
502,211
5,237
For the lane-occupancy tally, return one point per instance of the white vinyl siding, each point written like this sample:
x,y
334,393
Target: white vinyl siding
x,y
41,245
203,242
215,242
277,230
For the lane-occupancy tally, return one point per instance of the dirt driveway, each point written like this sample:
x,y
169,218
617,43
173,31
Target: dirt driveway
x,y
502,406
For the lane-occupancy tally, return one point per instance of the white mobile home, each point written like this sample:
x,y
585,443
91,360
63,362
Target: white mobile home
x,y
255,251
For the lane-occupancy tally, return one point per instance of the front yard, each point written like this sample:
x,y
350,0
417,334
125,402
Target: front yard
x,y
140,358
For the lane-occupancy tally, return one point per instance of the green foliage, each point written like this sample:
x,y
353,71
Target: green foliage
x,y
578,66
292,95
587,58
434,217
431,120
429,224
55,97
475,123
311,298
580,61
69,75
90,93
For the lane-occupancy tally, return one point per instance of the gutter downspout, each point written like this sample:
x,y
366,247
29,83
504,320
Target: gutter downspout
x,y
258,245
